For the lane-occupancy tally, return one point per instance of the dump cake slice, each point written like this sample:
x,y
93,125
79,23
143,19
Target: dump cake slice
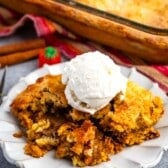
x,y
131,120
49,123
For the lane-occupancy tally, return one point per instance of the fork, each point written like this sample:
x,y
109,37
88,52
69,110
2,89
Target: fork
x,y
2,83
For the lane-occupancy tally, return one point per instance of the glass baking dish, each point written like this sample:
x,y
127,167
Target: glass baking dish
x,y
142,40
137,18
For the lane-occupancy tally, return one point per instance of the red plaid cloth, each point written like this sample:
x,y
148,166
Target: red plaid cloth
x,y
70,45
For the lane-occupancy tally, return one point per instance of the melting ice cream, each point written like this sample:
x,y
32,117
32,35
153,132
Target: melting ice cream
x,y
92,80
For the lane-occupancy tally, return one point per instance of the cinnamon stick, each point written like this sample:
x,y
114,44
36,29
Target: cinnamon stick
x,y
22,46
11,59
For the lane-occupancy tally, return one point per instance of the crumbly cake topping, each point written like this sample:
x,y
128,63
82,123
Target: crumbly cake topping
x,y
49,123
149,12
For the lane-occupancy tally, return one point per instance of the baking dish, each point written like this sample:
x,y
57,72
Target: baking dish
x,y
134,38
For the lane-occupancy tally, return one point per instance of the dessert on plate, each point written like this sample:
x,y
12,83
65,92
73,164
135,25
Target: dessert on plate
x,y
136,27
87,113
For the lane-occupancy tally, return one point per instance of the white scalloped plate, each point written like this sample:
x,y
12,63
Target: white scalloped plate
x,y
148,154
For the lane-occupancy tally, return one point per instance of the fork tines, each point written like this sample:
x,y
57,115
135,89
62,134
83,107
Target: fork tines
x,y
2,84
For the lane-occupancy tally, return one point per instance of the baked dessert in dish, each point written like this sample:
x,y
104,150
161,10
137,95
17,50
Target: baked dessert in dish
x,y
50,120
146,38
152,13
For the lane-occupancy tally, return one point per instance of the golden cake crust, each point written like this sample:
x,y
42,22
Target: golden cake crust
x,y
152,13
131,120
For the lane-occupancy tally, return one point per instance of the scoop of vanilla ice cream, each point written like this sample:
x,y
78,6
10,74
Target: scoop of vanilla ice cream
x,y
92,79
